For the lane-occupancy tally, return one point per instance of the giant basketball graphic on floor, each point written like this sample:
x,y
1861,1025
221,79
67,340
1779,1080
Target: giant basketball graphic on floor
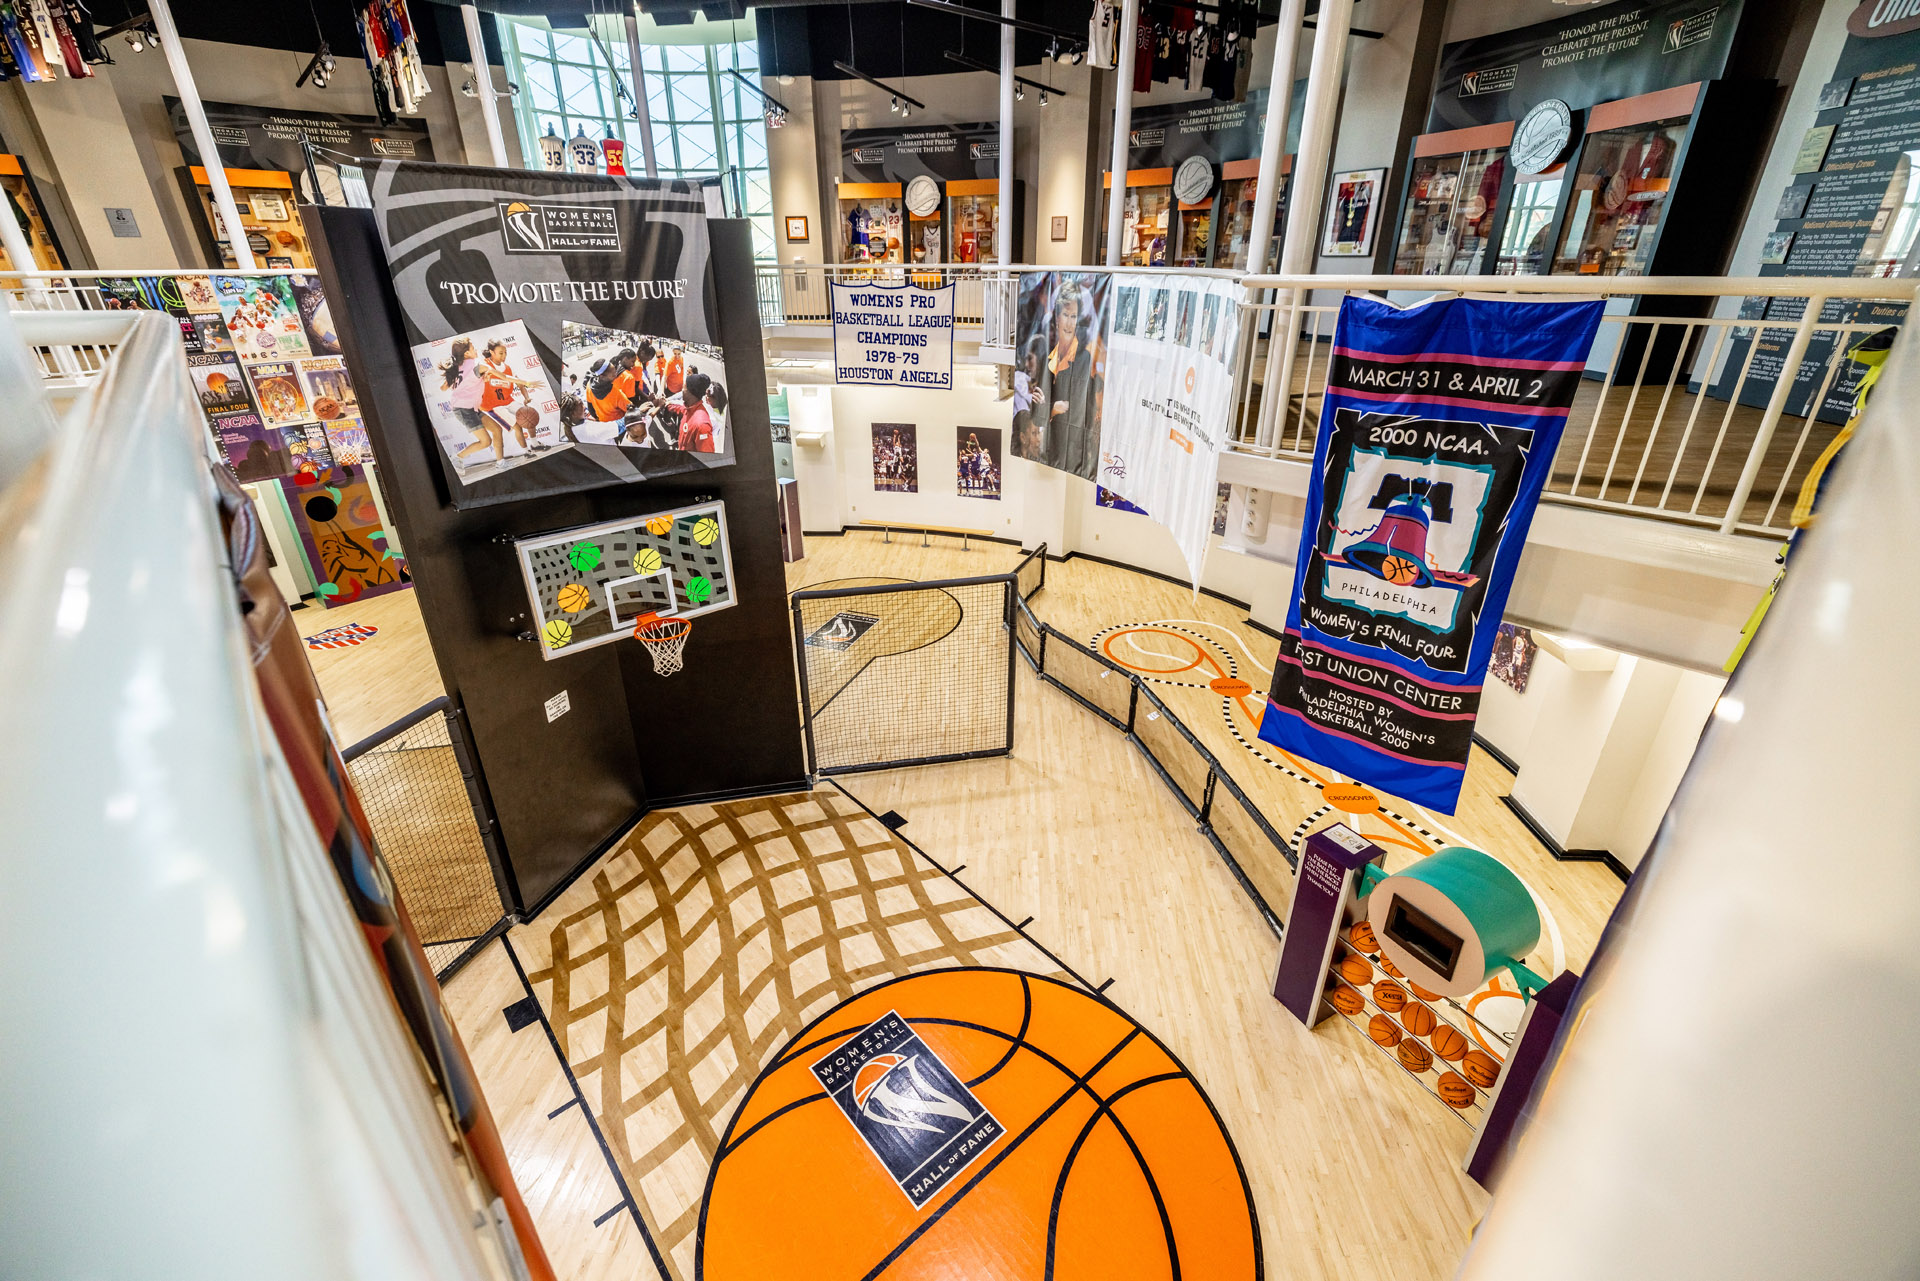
x,y
976,1123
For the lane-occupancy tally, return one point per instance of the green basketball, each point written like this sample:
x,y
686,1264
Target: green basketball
x,y
559,633
584,557
699,590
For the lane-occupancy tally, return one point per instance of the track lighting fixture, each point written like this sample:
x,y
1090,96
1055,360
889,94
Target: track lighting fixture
x,y
133,41
1020,92
319,68
894,103
1043,97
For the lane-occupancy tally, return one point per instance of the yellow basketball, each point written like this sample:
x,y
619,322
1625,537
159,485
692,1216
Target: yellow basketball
x,y
559,632
659,525
575,597
646,561
706,530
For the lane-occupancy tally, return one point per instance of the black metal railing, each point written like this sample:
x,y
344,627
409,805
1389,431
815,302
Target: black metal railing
x,y
423,796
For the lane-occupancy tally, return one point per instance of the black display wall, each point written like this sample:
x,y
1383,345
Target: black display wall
x,y
727,725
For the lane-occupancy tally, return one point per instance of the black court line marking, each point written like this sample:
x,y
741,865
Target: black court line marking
x,y
971,892
609,1214
562,1108
1104,986
593,1122
1153,1185
1019,1038
800,1045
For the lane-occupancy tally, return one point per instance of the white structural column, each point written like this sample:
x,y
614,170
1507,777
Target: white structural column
x,y
644,117
1302,236
1122,128
1003,237
1298,248
483,82
1273,142
202,135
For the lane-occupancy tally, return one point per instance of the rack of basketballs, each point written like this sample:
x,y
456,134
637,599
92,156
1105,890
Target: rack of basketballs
x,y
1405,1021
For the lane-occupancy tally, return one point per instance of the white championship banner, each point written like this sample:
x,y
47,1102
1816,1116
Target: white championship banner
x,y
893,335
1169,394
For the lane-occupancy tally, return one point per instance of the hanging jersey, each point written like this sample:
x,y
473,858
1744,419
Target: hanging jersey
x,y
1143,47
1199,40
858,223
1223,56
1102,32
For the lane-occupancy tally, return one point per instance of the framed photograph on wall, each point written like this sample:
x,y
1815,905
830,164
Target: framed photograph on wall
x,y
796,227
1355,214
1060,226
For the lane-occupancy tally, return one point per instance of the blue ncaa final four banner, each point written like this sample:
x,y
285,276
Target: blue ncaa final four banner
x,y
1436,436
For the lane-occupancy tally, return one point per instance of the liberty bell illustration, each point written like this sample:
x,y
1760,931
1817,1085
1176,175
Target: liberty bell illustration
x,y
1396,548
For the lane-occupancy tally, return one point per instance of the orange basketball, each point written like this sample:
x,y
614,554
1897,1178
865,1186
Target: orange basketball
x,y
1415,1057
1454,1090
1449,1043
1481,1068
1345,1000
1384,1031
1356,970
1399,570
1390,997
1362,937
1418,1019
1390,968
1422,993
1062,1131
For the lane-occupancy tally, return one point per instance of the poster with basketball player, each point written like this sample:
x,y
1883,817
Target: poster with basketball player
x,y
1513,651
1058,345
1436,436
474,251
896,458
261,317
277,393
978,470
488,399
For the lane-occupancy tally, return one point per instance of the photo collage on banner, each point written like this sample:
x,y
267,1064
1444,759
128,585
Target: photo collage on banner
x,y
265,362
977,473
896,458
1169,400
563,327
1436,435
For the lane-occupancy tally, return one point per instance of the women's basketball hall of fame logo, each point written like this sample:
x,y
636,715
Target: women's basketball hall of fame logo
x,y
907,1106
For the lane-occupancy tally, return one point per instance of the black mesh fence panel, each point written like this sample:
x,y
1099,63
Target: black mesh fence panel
x,y
1026,630
1032,572
1252,843
907,674
1089,678
1157,730
416,798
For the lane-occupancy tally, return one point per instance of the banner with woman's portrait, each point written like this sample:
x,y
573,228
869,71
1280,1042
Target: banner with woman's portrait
x,y
1059,370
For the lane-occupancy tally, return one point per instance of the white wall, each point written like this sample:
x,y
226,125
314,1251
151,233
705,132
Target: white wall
x,y
1506,718
1668,755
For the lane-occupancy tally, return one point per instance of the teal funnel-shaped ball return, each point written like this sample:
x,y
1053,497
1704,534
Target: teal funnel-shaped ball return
x,y
1453,920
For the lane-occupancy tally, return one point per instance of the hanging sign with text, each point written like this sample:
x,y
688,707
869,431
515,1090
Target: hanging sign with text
x,y
1436,436
893,335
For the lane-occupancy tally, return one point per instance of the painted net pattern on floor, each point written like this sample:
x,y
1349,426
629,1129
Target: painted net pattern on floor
x,y
676,969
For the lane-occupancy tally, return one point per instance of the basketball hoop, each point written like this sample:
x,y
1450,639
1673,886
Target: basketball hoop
x,y
665,639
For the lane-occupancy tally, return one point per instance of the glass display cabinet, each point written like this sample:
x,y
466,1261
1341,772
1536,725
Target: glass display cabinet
x,y
1452,207
1528,235
1147,221
1619,200
872,223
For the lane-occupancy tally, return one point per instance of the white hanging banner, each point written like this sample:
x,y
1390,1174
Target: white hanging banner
x,y
893,335
1169,394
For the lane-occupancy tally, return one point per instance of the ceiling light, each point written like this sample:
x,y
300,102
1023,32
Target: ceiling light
x,y
133,41
1020,92
894,103
1043,97
786,80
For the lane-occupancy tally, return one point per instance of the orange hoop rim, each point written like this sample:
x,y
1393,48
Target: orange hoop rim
x,y
646,634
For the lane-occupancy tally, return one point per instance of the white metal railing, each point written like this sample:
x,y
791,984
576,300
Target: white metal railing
x,y
197,1039
1707,419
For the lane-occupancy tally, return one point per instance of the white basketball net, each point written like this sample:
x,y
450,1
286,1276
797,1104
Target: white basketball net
x,y
665,639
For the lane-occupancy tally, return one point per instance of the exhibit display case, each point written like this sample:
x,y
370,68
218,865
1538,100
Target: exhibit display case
x,y
872,222
1235,218
1147,220
975,216
1457,183
1528,234
1619,198
269,217
23,203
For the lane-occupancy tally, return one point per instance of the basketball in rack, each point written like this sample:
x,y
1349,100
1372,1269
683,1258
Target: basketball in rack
x,y
665,639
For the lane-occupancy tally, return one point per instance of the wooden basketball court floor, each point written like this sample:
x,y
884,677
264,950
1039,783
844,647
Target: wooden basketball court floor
x,y
1353,1167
